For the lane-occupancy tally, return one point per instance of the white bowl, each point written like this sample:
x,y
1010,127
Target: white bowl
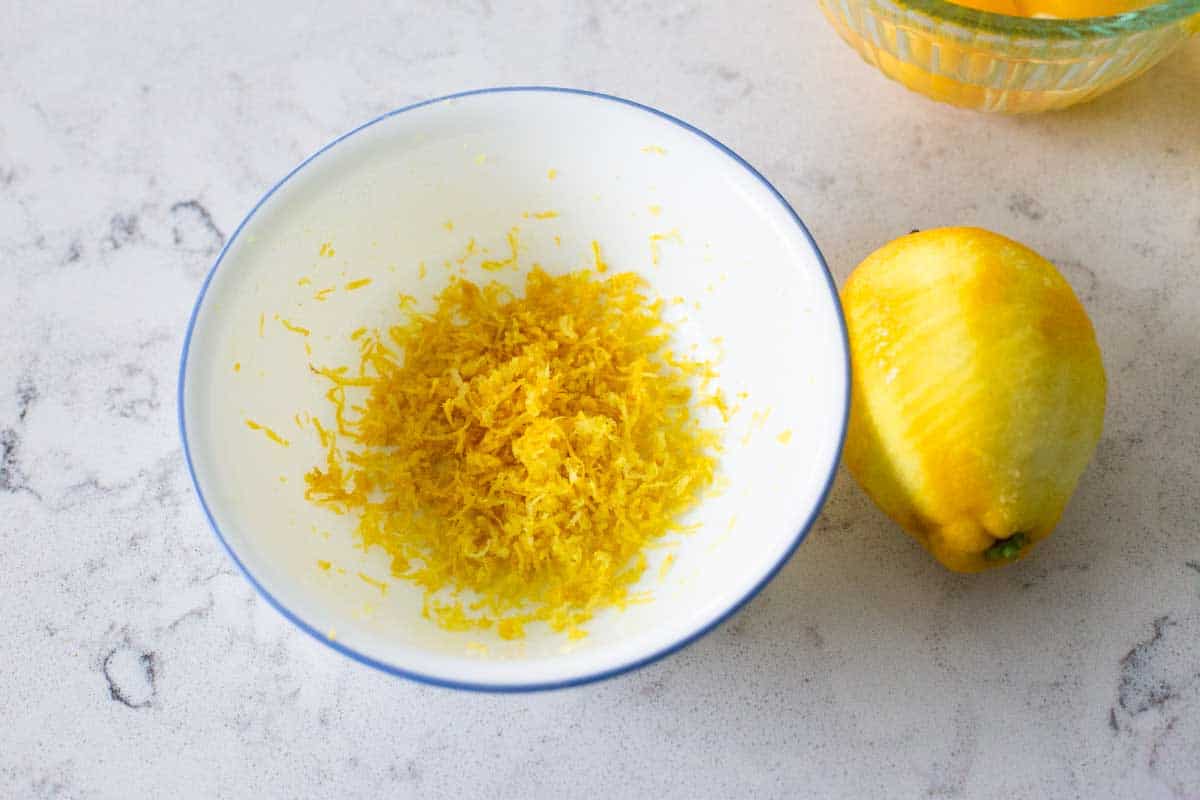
x,y
382,196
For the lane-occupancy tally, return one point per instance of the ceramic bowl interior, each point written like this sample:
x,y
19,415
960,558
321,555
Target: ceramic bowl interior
x,y
415,188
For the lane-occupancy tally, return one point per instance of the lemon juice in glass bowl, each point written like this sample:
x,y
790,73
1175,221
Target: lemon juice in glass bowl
x,y
980,54
1057,9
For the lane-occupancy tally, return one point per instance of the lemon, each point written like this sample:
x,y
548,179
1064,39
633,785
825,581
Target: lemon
x,y
978,392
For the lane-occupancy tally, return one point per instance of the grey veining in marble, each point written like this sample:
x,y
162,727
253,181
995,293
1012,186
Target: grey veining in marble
x,y
137,663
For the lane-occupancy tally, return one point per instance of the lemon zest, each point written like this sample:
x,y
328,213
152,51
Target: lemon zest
x,y
382,586
513,245
656,239
293,327
270,434
600,264
514,455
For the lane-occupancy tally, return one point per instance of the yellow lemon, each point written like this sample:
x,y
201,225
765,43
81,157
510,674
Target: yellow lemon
x,y
978,392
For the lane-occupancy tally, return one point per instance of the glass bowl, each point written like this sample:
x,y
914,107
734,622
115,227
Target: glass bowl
x,y
993,62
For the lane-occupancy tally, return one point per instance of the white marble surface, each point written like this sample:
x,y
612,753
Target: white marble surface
x,y
136,663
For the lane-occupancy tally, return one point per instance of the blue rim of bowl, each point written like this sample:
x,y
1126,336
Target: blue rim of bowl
x,y
612,672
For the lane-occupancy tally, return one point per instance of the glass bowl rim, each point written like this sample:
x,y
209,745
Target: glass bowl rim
x,y
970,22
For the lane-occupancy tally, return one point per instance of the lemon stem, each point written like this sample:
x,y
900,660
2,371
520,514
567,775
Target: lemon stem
x,y
1006,549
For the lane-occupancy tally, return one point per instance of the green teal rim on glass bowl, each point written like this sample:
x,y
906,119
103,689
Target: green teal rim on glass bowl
x,y
995,62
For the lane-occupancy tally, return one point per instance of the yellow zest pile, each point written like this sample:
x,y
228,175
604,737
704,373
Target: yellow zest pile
x,y
523,450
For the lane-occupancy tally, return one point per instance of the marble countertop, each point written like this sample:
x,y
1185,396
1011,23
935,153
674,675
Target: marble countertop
x,y
138,663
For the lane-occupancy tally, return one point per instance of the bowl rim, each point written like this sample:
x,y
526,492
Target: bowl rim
x,y
599,675
967,23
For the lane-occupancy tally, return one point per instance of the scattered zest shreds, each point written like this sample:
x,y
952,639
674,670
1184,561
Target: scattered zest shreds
x,y
293,327
656,239
270,434
601,264
514,244
523,450
382,586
